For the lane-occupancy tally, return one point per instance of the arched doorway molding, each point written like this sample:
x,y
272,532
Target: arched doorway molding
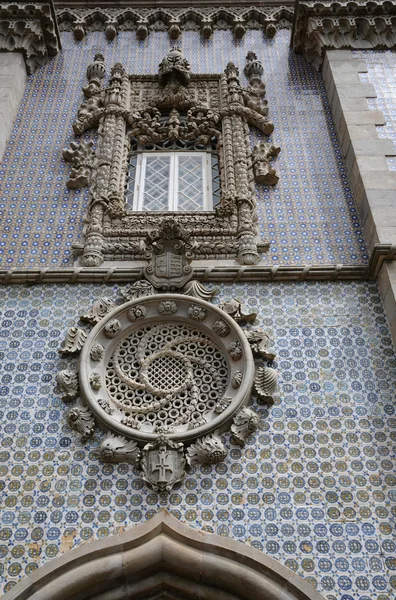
x,y
164,559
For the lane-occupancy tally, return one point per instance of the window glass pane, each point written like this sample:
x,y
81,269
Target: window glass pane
x,y
156,183
190,183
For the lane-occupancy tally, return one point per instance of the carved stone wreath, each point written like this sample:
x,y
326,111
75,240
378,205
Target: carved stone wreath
x,y
142,109
165,373
165,368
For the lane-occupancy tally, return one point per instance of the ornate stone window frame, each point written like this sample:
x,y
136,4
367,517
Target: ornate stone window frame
x,y
130,108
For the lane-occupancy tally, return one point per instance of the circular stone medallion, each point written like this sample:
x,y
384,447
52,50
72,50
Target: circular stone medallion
x,y
167,369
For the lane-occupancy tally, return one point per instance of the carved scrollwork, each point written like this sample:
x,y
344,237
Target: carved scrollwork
x,y
117,449
234,308
260,343
99,309
73,342
245,423
67,383
80,418
207,450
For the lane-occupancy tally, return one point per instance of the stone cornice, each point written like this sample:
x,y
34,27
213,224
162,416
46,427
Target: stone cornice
x,y
210,273
31,29
174,18
346,24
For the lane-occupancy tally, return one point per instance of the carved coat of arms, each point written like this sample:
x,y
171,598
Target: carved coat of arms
x,y
163,464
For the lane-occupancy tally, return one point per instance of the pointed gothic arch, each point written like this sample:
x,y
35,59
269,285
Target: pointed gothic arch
x,y
164,559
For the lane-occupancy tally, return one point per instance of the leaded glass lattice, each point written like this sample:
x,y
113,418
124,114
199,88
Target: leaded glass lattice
x,y
170,181
156,182
190,183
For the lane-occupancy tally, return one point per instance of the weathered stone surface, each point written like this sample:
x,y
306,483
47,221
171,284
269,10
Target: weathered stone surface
x,y
163,555
12,84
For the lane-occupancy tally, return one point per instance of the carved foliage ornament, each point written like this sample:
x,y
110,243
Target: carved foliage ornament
x,y
174,20
165,375
325,25
175,106
30,28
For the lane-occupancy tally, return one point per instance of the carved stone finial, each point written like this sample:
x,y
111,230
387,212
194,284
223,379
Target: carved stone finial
x,y
95,75
262,170
175,68
253,69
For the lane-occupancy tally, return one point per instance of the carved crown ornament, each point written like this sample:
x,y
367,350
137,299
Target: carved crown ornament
x,y
165,371
177,108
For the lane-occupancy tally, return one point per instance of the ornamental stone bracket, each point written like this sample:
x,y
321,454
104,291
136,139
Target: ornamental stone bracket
x,y
165,374
206,20
346,24
136,112
31,29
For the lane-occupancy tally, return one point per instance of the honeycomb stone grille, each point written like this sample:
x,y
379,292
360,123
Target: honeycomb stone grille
x,y
166,375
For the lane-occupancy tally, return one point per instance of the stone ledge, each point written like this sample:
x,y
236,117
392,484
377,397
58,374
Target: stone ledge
x,y
387,287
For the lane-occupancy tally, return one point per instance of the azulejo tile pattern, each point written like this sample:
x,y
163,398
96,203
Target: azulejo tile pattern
x,y
309,217
381,66
314,488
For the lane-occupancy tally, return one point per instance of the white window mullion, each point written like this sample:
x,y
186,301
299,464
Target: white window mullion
x,y
173,182
207,180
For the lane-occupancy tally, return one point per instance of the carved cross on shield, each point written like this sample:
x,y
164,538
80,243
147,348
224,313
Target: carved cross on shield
x,y
163,464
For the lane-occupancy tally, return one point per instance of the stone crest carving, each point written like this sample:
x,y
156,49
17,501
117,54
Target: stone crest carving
x,y
175,106
164,374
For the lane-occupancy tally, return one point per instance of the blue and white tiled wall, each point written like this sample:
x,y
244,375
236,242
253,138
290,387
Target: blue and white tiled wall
x,y
315,487
309,217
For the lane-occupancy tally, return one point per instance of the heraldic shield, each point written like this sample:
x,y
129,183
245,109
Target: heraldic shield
x,y
163,463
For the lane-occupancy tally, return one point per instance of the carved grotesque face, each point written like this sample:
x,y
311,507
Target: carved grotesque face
x,y
175,57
